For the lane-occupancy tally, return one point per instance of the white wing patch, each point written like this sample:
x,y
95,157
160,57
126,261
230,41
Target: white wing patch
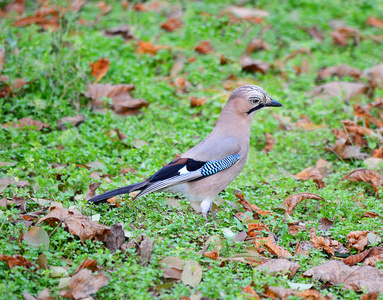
x,y
184,170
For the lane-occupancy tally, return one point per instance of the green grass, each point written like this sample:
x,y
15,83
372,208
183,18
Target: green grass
x,y
56,65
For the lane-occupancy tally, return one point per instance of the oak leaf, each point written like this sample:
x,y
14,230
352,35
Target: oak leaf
x,y
345,151
274,248
370,176
362,256
17,260
293,200
99,68
357,240
311,173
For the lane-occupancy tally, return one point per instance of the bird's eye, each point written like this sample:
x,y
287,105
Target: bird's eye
x,y
255,99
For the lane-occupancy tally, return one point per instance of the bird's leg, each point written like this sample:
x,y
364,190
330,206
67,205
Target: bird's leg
x,y
205,207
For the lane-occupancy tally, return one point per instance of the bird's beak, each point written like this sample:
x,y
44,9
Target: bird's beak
x,y
273,103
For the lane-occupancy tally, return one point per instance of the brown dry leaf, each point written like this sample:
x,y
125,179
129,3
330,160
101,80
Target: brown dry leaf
x,y
46,18
339,71
357,240
257,44
360,257
374,22
172,266
204,47
24,122
77,5
10,87
279,267
275,249
127,170
314,32
15,6
115,238
297,52
172,24
145,250
344,90
369,296
147,47
4,182
320,242
90,264
370,176
375,75
250,294
2,58
211,254
378,153
363,114
178,64
139,7
341,36
194,101
255,229
77,224
222,60
303,248
283,293
270,142
293,200
244,202
183,86
311,173
246,13
250,258
123,103
99,68
352,278
91,192
252,65
192,273
104,7
294,228
123,30
83,284
74,121
370,214
325,224
345,151
17,260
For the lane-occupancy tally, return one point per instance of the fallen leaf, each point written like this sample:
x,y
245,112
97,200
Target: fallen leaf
x,y
123,30
351,278
293,200
257,44
145,250
378,153
250,291
27,122
211,254
254,66
345,151
294,229
171,24
279,267
311,173
2,58
275,249
74,121
115,238
306,124
147,47
99,68
77,5
244,202
375,75
255,229
341,36
178,64
194,102
123,103
91,192
36,237
357,240
314,32
222,60
77,224
204,47
283,293
104,7
341,89
374,22
4,182
183,86
172,267
139,7
15,6
370,176
270,142
370,214
42,261
246,13
192,273
250,258
90,264
83,284
325,224
320,242
17,260
363,256
339,71
47,19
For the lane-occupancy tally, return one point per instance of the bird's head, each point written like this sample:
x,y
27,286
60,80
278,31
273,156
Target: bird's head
x,y
252,98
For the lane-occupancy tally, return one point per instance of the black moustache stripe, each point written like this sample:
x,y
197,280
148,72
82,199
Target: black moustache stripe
x,y
255,108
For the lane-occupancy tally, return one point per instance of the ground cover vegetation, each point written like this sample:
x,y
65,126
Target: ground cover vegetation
x,y
98,95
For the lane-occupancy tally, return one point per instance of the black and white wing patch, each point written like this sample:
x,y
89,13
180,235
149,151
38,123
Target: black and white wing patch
x,y
182,170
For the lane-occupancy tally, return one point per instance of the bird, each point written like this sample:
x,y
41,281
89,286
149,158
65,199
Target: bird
x,y
203,171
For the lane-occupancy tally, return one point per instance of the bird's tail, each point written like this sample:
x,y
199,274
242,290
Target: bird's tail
x,y
123,190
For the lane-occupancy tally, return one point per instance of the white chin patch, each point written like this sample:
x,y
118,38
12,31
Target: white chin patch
x,y
183,171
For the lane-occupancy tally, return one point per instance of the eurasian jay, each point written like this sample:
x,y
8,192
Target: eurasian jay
x,y
208,168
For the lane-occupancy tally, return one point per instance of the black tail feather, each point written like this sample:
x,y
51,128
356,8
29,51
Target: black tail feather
x,y
123,190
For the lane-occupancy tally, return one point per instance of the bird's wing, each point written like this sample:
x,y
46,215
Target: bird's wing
x,y
182,170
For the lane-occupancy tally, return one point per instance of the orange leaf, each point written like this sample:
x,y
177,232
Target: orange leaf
x,y
374,22
372,177
172,24
204,47
147,47
293,200
99,68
